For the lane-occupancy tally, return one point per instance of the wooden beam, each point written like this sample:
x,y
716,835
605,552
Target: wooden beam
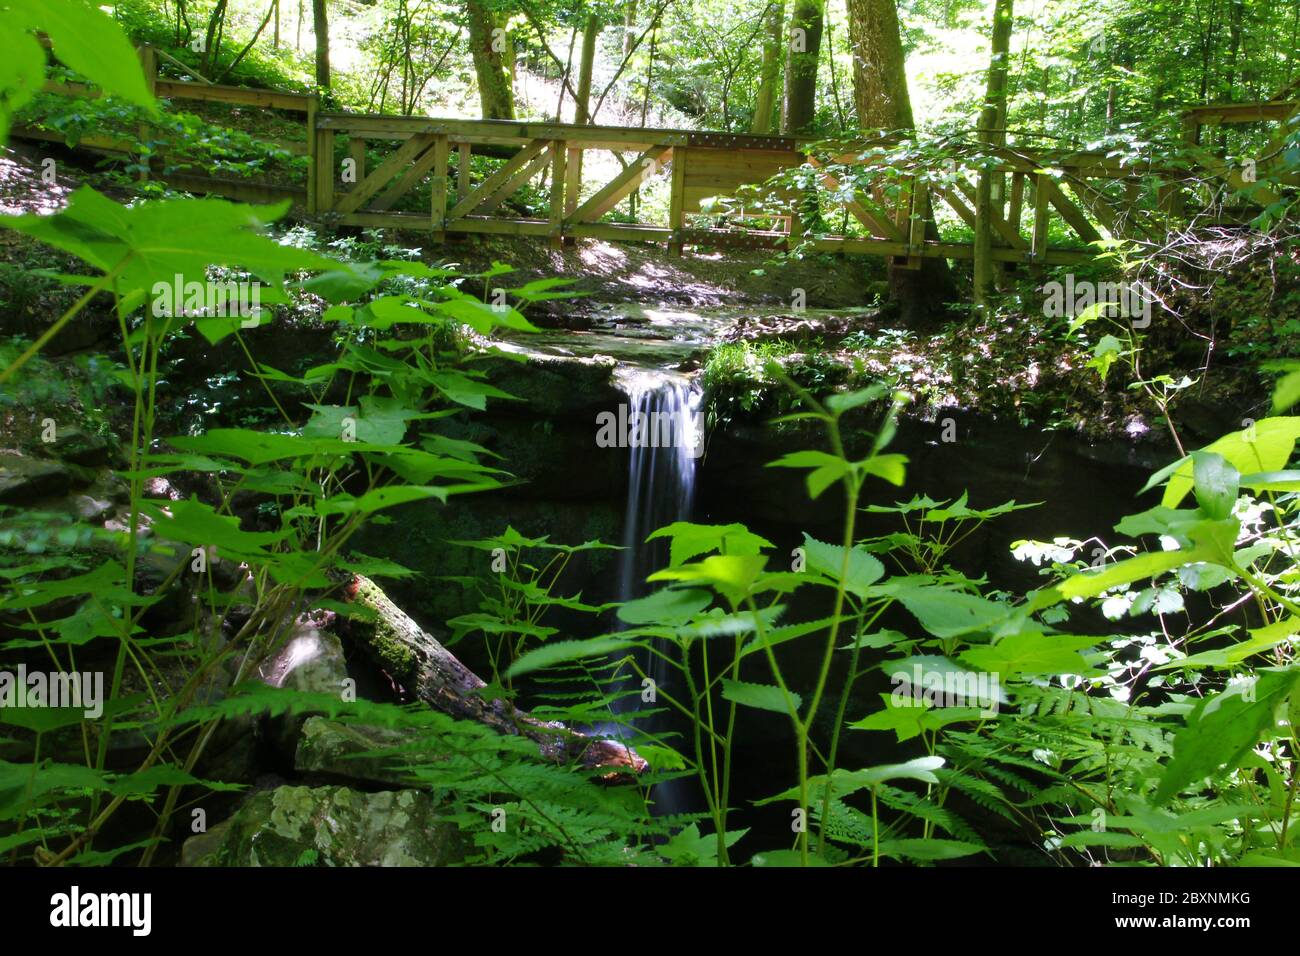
x,y
494,182
963,211
240,95
641,169
413,174
516,182
1071,213
384,173
876,221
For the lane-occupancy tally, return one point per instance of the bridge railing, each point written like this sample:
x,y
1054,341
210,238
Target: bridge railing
x,y
369,169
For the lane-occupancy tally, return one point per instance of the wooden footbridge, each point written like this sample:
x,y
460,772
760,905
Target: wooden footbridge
x,y
419,173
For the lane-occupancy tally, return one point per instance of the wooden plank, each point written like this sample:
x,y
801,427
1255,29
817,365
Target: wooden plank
x,y
606,198
517,181
236,189
942,250
239,95
502,227
620,232
1242,112
494,182
1096,202
384,173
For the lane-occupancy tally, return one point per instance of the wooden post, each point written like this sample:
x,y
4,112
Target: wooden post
x,y
357,153
313,104
438,186
1042,198
463,152
572,184
677,201
916,233
559,173
1017,201
149,65
324,170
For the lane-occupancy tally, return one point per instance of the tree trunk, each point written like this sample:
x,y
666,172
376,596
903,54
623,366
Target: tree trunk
x,y
801,66
992,130
321,27
880,94
487,47
629,27
417,661
770,71
590,34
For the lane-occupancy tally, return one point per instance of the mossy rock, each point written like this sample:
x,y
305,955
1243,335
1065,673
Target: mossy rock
x,y
343,750
329,826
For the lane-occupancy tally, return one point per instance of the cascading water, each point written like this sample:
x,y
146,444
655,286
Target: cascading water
x,y
663,431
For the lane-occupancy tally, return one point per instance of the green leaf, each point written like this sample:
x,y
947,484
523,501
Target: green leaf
x,y
1221,730
155,245
196,523
559,652
89,42
378,499
760,696
946,613
920,768
891,468
1032,653
1262,639
903,718
827,468
1265,446
670,606
1215,483
929,849
688,848
731,575
864,569
687,539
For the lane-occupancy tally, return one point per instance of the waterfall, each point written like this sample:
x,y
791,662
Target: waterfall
x,y
661,426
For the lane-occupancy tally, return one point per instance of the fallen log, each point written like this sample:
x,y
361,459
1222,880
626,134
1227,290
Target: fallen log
x,y
417,660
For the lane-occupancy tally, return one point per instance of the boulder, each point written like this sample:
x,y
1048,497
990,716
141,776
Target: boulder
x,y
24,480
329,826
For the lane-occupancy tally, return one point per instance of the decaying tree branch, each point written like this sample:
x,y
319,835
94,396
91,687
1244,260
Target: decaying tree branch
x,y
418,661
